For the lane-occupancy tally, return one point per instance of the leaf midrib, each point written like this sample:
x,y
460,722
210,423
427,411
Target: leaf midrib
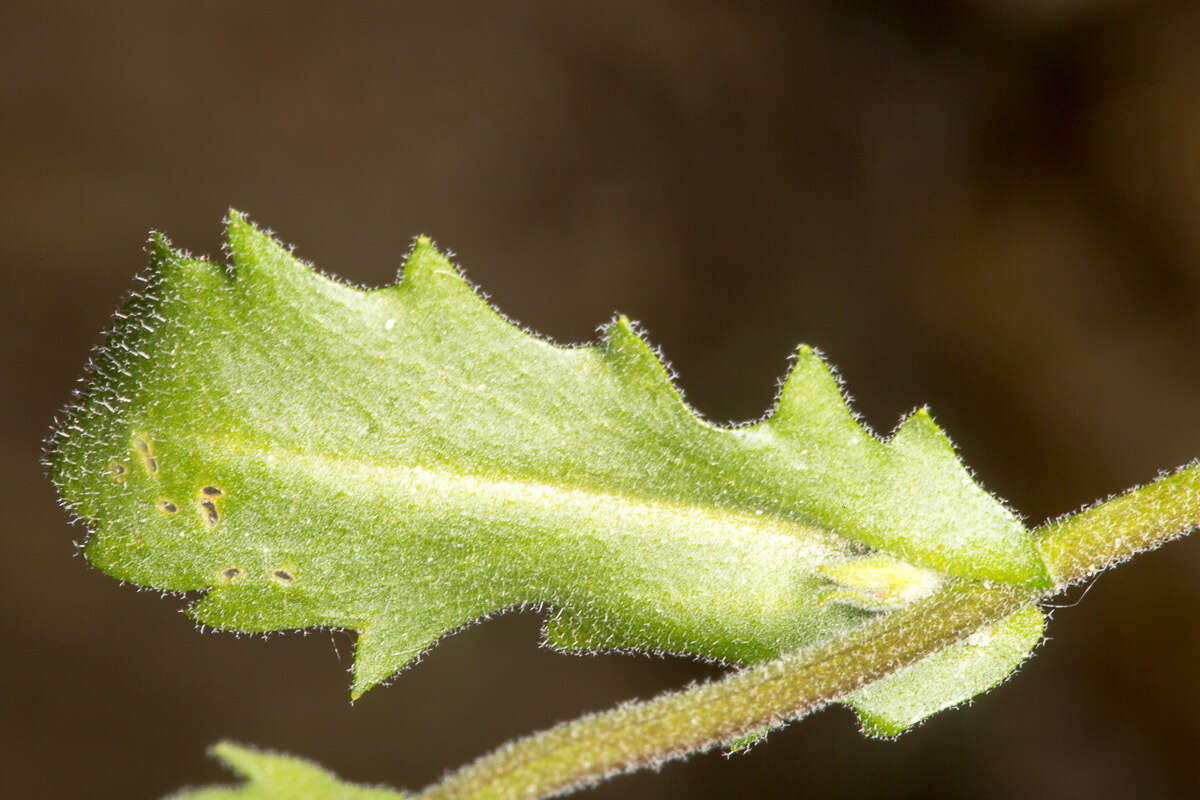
x,y
347,473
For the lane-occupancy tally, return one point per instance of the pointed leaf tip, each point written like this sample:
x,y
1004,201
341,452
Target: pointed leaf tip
x,y
425,260
243,240
920,430
160,249
260,260
637,364
624,345
237,228
811,401
380,653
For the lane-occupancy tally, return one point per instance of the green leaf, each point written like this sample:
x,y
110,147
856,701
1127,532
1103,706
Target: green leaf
x,y
893,704
404,461
272,776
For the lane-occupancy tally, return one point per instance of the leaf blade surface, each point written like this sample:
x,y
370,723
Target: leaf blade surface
x,y
404,461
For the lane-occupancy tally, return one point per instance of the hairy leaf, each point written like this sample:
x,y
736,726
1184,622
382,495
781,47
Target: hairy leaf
x,y
890,705
271,776
404,461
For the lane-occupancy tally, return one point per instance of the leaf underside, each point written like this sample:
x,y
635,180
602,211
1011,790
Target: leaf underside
x,y
404,461
893,704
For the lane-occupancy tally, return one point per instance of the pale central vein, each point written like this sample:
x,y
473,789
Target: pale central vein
x,y
437,486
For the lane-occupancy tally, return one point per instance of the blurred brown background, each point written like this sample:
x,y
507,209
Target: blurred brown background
x,y
990,206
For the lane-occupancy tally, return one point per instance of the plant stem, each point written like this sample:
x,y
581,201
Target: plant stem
x,y
675,724
1090,541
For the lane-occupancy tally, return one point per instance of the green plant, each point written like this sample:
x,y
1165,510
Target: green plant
x,y
403,461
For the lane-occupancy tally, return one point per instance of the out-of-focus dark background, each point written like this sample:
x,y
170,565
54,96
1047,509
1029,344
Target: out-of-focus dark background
x,y
991,206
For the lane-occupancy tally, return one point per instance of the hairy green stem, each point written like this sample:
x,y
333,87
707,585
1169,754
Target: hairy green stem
x,y
1080,545
675,724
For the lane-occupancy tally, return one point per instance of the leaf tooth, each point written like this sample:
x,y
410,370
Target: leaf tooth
x,y
425,264
162,254
379,654
636,363
395,640
172,269
811,403
270,774
919,435
259,259
169,267
434,295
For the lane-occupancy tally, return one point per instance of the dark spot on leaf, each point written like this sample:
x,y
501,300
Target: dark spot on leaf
x,y
148,459
167,506
210,511
283,575
231,573
117,468
212,491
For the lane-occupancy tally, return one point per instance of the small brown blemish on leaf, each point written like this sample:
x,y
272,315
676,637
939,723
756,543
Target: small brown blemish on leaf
x,y
282,575
212,491
230,573
210,512
147,453
167,507
118,470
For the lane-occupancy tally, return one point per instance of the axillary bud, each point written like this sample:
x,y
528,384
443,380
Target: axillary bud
x,y
878,582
